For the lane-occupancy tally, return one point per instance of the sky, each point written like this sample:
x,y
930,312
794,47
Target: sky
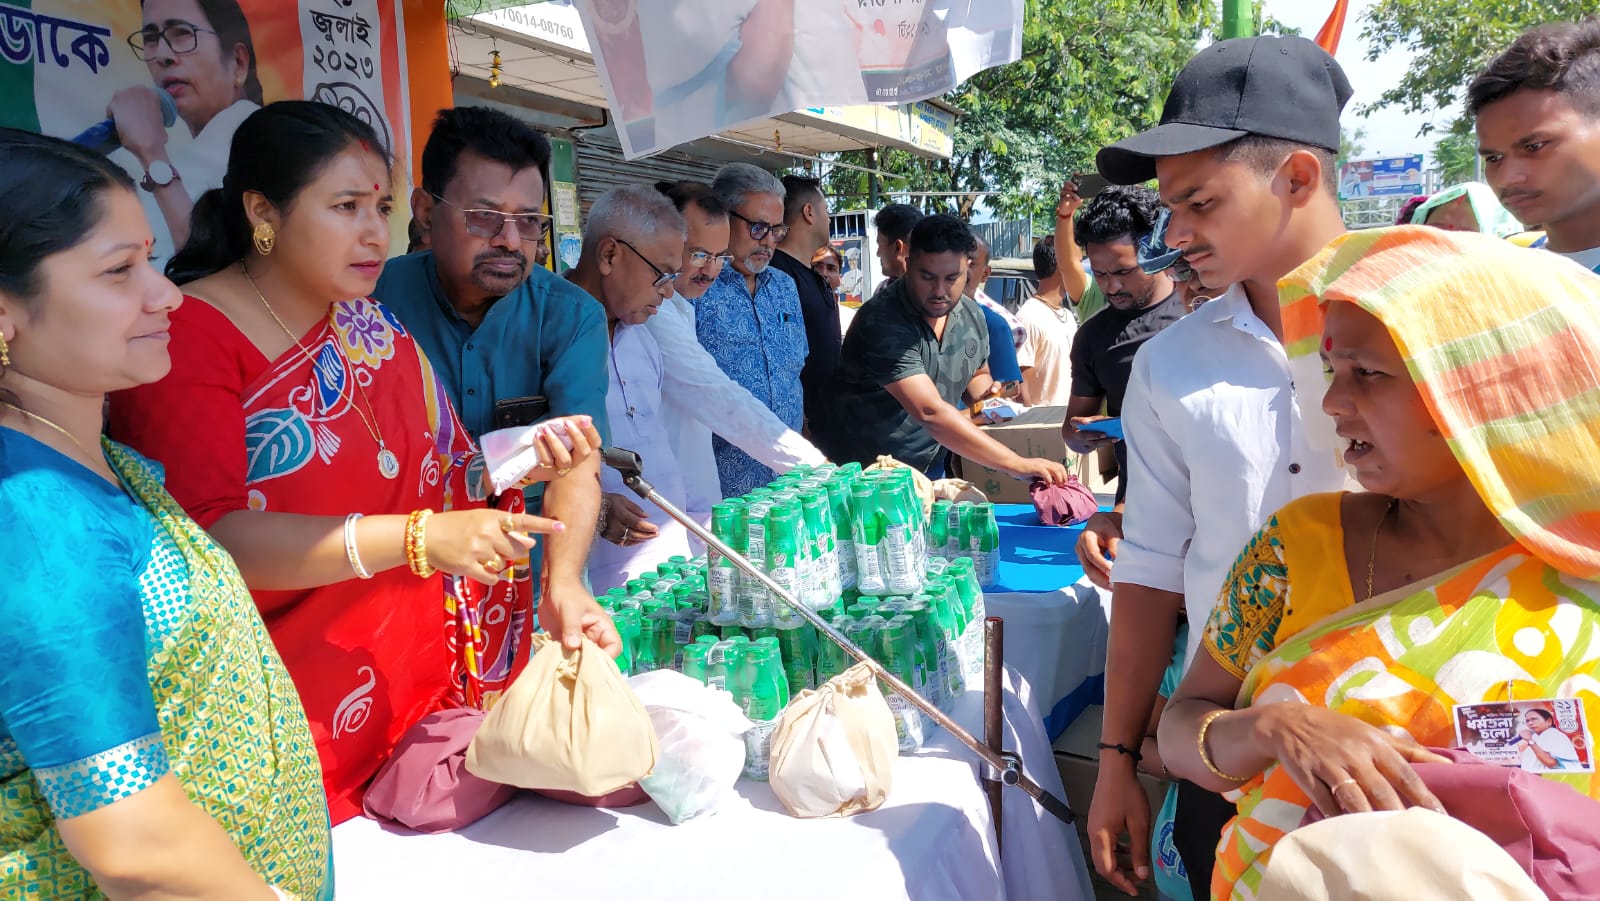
x,y
1390,132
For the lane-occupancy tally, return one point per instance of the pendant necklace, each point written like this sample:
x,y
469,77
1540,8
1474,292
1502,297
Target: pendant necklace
x,y
388,463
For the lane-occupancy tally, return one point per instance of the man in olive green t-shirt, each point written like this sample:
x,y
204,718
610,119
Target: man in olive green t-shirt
x,y
915,355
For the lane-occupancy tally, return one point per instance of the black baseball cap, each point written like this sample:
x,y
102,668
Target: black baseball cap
x,y
1274,86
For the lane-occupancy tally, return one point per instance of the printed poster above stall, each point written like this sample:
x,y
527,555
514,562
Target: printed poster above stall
x,y
675,72
168,81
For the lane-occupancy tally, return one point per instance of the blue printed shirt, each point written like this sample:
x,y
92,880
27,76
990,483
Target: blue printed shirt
x,y
760,342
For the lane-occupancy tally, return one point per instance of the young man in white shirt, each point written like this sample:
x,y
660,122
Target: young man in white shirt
x,y
1538,112
1050,323
1217,438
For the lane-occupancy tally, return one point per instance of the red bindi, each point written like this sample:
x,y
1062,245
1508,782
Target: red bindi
x,y
1327,345
374,187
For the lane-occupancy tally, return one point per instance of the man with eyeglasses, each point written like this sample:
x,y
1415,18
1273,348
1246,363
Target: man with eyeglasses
x,y
511,342
633,252
698,396
750,320
805,211
1113,227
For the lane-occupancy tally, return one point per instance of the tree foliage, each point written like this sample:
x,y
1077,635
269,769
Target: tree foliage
x,y
1450,41
1455,154
1352,143
1092,72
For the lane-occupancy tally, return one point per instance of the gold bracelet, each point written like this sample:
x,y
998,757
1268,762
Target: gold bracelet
x,y
417,543
1205,758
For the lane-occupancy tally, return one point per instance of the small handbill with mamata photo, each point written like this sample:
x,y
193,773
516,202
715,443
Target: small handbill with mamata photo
x,y
1539,736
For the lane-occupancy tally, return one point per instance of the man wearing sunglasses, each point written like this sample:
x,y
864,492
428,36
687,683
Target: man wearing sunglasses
x,y
750,320
512,342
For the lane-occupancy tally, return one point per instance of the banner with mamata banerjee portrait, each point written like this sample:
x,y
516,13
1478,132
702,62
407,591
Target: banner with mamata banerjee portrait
x,y
161,85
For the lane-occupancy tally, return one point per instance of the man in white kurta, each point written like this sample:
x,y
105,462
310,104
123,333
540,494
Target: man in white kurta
x,y
633,249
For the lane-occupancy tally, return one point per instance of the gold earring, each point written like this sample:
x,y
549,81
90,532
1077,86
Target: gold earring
x,y
264,238
5,353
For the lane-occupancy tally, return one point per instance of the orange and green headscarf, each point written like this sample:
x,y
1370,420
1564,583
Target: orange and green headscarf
x,y
1504,344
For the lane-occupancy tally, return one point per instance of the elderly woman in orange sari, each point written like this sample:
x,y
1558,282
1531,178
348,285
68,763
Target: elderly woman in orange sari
x,y
1462,384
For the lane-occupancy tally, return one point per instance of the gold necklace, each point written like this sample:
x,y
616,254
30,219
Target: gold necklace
x,y
1372,560
388,463
40,419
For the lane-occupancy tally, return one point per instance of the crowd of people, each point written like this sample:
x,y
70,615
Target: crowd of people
x,y
255,542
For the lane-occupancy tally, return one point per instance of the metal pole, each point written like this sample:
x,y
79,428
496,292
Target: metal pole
x,y
994,649
1006,763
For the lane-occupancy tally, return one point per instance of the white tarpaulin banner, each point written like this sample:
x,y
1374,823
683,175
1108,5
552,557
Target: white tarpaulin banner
x,y
677,70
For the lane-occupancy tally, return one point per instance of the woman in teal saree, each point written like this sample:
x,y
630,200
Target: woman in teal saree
x,y
151,742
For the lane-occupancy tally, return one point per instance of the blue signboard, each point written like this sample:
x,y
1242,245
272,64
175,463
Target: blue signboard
x,y
1399,176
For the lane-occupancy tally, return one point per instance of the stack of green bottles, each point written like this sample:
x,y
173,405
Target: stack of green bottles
x,y
848,544
965,529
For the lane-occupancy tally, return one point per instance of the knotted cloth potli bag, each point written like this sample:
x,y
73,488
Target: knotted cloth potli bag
x,y
923,486
568,723
834,749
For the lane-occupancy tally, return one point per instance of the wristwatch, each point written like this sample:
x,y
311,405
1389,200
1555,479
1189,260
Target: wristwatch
x,y
158,174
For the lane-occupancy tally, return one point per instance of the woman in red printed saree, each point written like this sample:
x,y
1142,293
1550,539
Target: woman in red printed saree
x,y
305,429
1462,587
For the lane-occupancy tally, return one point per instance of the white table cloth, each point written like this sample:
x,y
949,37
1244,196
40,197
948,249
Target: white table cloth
x,y
932,841
1057,641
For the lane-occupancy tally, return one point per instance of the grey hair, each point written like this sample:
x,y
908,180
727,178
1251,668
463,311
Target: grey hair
x,y
737,181
633,213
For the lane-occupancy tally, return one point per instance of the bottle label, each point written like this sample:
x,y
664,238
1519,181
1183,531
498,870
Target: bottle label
x,y
908,725
682,633
899,555
758,749
847,565
871,568
720,582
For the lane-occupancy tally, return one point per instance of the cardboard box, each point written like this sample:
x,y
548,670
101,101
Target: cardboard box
x,y
1035,433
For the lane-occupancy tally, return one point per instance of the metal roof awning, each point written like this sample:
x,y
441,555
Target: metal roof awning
x,y
546,64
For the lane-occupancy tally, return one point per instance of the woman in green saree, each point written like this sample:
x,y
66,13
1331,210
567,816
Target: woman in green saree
x,y
151,742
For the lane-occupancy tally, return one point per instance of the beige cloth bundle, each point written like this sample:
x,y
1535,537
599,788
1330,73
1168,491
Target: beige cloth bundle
x,y
958,491
568,723
924,487
1410,855
834,749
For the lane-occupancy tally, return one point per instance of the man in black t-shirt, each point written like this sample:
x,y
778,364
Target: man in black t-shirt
x,y
915,355
1139,305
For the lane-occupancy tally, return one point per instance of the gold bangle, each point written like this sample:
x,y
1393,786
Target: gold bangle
x,y
417,543
1205,758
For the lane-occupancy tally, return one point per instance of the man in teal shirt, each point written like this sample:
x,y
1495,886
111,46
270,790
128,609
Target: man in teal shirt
x,y
511,342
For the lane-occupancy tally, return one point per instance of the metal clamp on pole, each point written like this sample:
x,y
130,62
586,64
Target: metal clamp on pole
x,y
1008,765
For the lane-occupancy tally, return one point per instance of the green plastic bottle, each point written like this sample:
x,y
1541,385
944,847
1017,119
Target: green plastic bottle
x,y
628,626
722,577
755,601
797,646
783,552
901,574
939,528
986,545
838,489
694,661
763,702
867,527
898,639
